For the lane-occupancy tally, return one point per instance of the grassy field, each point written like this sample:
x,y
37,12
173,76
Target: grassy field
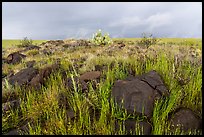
x,y
44,116
10,43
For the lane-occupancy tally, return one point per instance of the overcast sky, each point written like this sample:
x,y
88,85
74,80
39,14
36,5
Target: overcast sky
x,y
61,20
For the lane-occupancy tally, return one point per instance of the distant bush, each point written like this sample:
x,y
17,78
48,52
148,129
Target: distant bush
x,y
99,39
148,40
25,42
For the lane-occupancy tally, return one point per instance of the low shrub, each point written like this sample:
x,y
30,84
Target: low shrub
x,y
99,39
25,42
148,40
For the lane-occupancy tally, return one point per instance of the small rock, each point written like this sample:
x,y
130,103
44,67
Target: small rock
x,y
186,119
88,76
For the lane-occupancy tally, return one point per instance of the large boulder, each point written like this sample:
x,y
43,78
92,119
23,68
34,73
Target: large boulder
x,y
23,77
138,94
15,58
185,119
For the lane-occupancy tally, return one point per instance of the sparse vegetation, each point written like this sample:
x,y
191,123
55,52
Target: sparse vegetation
x,y
148,40
100,39
25,42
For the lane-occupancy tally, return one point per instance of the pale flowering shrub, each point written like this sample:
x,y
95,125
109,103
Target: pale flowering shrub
x,y
99,39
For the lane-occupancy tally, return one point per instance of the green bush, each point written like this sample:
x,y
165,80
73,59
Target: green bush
x,y
99,39
25,42
148,40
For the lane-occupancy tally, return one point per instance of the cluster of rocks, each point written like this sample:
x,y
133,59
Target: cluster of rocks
x,y
31,76
77,43
82,81
52,43
139,94
66,44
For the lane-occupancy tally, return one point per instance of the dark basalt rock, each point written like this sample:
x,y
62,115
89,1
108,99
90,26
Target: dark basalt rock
x,y
154,80
23,77
136,95
43,74
139,93
185,119
88,76
15,58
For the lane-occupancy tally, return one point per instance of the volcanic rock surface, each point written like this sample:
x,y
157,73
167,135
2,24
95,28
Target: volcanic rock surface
x,y
15,58
138,93
185,119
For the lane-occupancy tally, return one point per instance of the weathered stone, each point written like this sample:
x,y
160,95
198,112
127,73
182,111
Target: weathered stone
x,y
44,73
136,95
154,80
185,119
23,76
15,58
88,76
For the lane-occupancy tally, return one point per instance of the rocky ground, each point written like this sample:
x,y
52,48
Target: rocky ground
x,y
32,66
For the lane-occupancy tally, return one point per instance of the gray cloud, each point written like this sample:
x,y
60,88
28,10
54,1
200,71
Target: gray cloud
x,y
81,19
